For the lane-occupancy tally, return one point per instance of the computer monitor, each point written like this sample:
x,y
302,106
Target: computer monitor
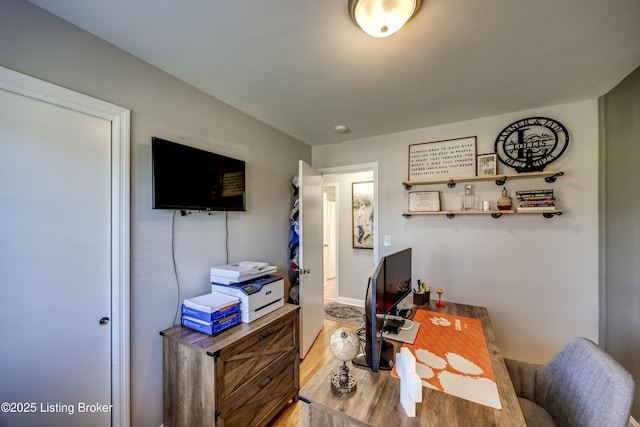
x,y
373,323
389,284
397,280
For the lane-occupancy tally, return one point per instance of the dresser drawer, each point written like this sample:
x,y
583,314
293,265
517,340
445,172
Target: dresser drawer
x,y
258,403
244,364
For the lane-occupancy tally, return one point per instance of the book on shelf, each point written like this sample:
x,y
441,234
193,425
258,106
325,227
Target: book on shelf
x,y
537,208
537,203
537,200
535,195
529,192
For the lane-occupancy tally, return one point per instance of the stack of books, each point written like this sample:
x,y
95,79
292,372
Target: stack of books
x,y
535,200
211,313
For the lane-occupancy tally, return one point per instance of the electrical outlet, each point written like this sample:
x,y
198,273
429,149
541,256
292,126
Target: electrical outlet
x,y
387,240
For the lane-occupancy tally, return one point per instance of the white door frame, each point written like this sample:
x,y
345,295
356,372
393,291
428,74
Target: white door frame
x,y
336,257
119,117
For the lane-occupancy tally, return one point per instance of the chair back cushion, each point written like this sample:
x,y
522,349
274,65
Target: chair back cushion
x,y
584,386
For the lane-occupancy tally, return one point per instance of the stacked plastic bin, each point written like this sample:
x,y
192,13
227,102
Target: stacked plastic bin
x,y
211,313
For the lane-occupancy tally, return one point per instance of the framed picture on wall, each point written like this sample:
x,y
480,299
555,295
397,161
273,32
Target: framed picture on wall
x,y
487,164
424,201
362,214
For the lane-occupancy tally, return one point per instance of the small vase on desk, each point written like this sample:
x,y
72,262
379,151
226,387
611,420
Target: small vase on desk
x,y
504,202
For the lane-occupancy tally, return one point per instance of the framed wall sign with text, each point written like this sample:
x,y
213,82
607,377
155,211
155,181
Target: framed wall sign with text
x,y
448,158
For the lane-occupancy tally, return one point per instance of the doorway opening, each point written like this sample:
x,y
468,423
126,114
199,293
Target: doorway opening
x,y
346,265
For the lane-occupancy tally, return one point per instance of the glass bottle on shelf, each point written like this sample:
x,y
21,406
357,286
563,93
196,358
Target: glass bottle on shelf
x,y
468,199
504,202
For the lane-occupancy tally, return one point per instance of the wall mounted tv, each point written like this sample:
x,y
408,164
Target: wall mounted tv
x,y
187,178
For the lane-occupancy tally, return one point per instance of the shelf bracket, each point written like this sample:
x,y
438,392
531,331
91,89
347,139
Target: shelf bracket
x,y
406,186
451,215
496,215
501,181
407,215
552,178
551,214
451,183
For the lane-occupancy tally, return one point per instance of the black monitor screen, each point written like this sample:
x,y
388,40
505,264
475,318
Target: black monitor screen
x,y
389,283
373,329
189,178
397,278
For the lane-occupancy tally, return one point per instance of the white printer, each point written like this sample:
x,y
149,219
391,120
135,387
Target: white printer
x,y
240,272
257,296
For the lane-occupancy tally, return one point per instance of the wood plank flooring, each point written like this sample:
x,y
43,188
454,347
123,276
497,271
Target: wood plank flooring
x,y
318,355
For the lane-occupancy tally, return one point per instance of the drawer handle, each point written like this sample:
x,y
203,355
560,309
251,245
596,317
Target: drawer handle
x,y
266,383
269,332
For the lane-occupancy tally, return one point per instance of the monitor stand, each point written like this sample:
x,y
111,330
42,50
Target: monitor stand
x,y
387,354
361,361
386,357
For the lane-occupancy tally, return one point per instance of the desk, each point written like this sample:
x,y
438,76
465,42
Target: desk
x,y
377,398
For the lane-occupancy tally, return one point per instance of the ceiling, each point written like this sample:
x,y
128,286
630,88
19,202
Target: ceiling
x,y
303,67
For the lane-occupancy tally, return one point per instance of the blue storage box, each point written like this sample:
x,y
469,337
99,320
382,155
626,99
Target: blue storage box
x,y
211,307
211,328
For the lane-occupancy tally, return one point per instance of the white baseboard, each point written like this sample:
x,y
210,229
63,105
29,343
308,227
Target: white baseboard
x,y
350,301
633,422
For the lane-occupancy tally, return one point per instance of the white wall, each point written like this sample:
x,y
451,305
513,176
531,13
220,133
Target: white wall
x,y
538,277
38,44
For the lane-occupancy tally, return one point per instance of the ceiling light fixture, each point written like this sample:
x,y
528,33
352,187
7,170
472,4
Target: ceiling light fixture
x,y
381,18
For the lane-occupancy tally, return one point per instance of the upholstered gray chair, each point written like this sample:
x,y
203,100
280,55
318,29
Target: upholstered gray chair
x,y
580,386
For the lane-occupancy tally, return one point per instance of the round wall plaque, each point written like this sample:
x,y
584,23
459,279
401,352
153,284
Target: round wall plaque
x,y
529,145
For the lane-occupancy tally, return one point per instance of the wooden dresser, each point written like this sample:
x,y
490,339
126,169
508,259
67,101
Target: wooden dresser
x,y
241,377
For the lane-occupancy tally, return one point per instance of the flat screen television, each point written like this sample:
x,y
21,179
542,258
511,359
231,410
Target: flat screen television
x,y
388,285
187,178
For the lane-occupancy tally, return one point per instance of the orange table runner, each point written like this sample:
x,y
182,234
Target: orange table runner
x,y
452,356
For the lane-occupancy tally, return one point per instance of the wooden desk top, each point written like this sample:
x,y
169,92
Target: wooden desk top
x,y
377,398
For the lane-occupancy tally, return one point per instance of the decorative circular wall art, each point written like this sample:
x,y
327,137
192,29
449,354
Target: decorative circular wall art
x,y
529,145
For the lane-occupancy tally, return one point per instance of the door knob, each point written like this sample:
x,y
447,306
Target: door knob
x,y
104,321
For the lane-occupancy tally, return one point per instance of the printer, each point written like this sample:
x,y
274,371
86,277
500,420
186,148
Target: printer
x,y
240,272
258,296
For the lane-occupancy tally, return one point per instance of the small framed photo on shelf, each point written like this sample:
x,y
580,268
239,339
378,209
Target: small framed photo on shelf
x,y
424,201
487,164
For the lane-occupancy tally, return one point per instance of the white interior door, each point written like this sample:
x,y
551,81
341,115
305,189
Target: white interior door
x,y
55,264
310,274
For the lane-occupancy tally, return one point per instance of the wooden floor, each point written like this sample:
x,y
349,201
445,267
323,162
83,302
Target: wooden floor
x,y
315,359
